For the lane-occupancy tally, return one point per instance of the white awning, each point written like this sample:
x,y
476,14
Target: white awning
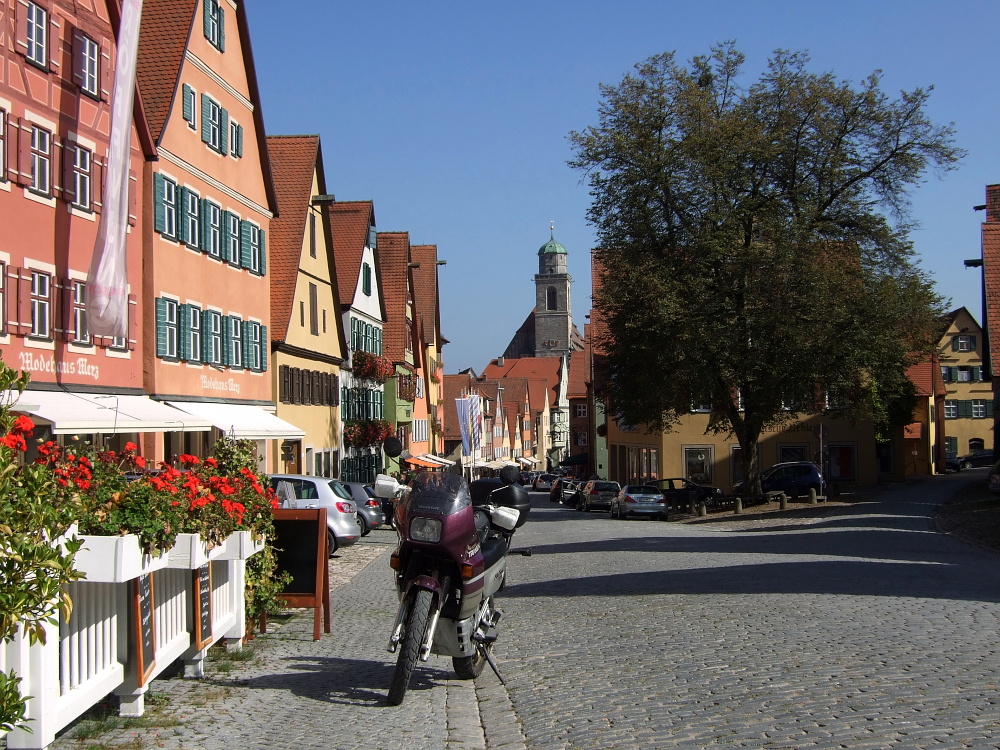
x,y
70,413
436,459
527,461
242,421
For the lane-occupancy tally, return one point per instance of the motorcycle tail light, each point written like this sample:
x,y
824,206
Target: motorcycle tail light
x,y
425,530
345,507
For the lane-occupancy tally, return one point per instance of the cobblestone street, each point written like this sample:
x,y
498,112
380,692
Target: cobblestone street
x,y
862,628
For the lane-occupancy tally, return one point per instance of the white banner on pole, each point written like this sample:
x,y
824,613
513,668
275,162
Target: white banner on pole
x,y
476,419
107,280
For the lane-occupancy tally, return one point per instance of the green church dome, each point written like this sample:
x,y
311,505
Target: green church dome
x,y
552,247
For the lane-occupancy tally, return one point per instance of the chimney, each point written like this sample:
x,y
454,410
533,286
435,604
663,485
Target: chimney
x,y
499,361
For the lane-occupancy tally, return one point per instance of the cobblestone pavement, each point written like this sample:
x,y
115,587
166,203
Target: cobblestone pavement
x,y
862,628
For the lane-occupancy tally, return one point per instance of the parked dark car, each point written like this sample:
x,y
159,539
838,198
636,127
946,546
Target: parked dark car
x,y
976,459
993,481
680,492
370,515
794,478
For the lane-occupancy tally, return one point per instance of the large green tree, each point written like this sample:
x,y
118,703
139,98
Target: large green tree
x,y
753,242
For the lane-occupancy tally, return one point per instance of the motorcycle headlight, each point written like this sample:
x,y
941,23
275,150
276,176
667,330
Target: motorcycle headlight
x,y
425,530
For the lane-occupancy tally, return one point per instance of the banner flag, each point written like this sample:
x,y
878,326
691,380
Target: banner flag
x,y
107,280
476,419
462,406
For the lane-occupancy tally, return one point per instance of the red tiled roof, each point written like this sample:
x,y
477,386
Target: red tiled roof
x,y
455,387
922,377
577,387
163,37
349,223
393,255
295,158
546,368
426,303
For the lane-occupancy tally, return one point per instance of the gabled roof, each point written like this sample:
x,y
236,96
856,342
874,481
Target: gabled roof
x,y
922,377
393,257
544,368
426,300
349,225
163,38
577,387
296,159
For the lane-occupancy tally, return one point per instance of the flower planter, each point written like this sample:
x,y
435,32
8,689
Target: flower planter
x,y
115,559
240,546
189,553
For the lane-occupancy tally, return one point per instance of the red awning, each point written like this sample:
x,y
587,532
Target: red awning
x,y
421,462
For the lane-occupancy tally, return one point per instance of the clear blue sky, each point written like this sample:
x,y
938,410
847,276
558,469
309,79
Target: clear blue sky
x,y
453,118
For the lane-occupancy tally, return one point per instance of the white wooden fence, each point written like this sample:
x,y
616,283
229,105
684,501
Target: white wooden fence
x,y
97,651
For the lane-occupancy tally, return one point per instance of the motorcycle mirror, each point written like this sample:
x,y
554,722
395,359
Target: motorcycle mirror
x,y
509,474
387,487
392,446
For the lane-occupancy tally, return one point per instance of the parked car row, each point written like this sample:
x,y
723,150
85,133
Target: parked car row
x,y
352,510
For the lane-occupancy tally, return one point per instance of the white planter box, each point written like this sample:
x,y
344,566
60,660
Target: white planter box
x,y
115,559
240,546
189,552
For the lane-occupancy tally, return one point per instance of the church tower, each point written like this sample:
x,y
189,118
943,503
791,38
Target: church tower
x,y
553,311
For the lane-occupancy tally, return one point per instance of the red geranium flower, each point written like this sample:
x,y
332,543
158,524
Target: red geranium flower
x,y
23,425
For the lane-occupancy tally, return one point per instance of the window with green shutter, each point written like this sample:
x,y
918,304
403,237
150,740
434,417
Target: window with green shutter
x,y
166,201
188,106
366,280
166,328
214,24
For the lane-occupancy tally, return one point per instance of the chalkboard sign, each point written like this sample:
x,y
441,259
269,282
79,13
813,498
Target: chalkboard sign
x,y
301,549
203,606
143,628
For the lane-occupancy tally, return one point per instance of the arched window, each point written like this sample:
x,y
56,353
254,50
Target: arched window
x,y
550,298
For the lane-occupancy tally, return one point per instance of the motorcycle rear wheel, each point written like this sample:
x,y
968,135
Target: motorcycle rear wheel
x,y
409,647
470,667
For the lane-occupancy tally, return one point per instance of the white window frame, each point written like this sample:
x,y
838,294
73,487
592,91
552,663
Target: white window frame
x,y
192,217
580,411
255,251
233,251
81,330
38,32
41,160
41,305
213,114
216,340
214,10
964,343
978,409
255,354
193,354
90,55
950,409
169,208
82,165
213,219
964,374
236,337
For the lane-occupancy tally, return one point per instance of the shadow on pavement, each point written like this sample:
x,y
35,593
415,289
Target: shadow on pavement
x,y
352,682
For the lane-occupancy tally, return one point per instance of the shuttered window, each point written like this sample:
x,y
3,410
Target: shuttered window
x,y
37,37
214,125
214,21
166,202
166,328
188,106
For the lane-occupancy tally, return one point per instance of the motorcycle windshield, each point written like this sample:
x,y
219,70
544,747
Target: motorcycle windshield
x,y
439,493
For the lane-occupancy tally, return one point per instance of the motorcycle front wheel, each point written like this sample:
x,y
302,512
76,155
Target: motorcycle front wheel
x,y
409,647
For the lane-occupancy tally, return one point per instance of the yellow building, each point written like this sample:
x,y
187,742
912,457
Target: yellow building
x,y
968,406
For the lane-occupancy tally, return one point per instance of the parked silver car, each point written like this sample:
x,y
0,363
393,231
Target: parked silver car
x,y
370,515
302,491
598,493
640,500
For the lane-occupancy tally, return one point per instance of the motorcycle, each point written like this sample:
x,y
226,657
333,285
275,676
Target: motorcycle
x,y
451,560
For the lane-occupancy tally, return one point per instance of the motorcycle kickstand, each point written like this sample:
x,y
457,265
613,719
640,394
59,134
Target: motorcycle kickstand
x,y
488,653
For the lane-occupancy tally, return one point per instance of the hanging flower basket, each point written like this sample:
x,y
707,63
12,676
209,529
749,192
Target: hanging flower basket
x,y
361,433
368,366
